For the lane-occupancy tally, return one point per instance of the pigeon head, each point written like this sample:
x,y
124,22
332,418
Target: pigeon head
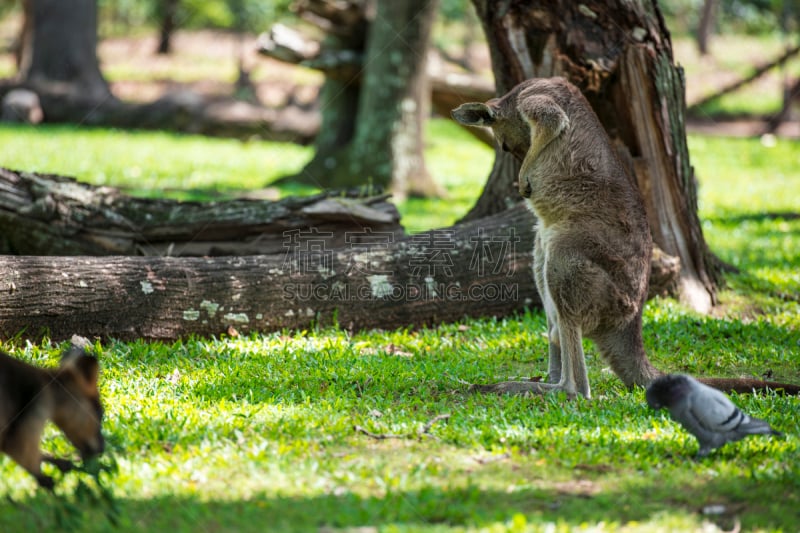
x,y
667,390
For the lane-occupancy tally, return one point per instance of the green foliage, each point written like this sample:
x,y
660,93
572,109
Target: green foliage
x,y
751,17
249,15
257,433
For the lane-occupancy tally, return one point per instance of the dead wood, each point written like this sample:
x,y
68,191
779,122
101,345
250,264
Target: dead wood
x,y
183,111
55,215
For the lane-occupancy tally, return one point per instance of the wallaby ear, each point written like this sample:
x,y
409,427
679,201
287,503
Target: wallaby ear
x,y
474,114
86,366
89,368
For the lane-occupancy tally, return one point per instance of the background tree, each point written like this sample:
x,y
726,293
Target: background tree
x,y
59,42
706,25
167,13
620,55
376,95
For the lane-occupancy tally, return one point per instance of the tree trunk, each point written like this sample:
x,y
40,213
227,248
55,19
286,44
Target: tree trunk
x,y
60,48
167,11
376,95
620,55
512,50
59,63
706,25
340,56
387,145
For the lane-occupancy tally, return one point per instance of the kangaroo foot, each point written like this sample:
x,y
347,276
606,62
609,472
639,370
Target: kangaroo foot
x,y
523,387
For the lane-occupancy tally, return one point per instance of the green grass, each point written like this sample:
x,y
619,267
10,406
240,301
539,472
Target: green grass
x,y
257,433
150,163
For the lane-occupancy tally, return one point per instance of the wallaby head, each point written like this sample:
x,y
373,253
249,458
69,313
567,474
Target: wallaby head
x,y
30,396
77,410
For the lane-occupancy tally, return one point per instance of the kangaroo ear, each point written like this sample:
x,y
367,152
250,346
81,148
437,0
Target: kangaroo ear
x,y
543,111
474,114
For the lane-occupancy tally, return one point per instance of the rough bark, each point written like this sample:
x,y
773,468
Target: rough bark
x,y
443,275
620,55
54,215
59,47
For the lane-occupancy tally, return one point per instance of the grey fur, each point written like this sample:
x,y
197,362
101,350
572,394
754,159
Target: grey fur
x,y
593,244
705,412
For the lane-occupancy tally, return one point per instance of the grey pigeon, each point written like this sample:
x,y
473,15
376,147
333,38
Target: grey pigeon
x,y
705,412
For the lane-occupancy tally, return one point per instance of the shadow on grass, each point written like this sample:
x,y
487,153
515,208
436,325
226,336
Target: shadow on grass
x,y
757,217
573,504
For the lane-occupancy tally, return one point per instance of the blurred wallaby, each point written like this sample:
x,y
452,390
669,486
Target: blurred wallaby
x,y
30,396
593,246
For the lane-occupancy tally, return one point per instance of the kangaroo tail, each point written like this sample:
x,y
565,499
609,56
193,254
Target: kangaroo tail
x,y
749,385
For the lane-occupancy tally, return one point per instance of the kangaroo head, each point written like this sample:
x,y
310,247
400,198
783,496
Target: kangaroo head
x,y
511,130
78,412
525,120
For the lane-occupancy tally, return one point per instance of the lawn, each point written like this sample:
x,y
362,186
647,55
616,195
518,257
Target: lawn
x,y
258,433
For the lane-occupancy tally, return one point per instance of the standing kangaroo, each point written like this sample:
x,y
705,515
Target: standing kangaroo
x,y
593,246
30,396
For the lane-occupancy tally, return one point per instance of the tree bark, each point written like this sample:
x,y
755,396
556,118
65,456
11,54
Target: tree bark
x,y
59,48
620,55
442,275
54,215
387,145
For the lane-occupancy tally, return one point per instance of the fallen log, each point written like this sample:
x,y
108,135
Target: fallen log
x,y
183,111
759,71
56,215
471,270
